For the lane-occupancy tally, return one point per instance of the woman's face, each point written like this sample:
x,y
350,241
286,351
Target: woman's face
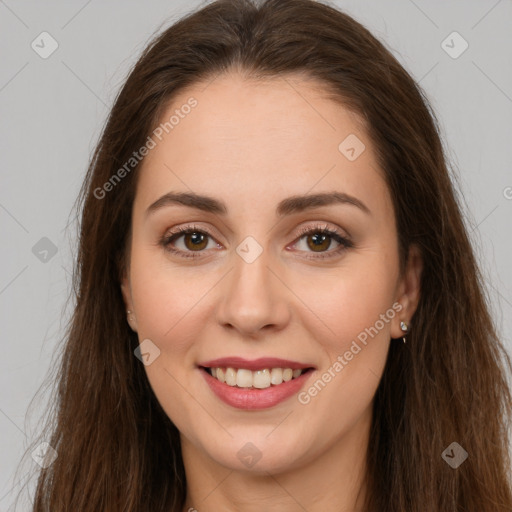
x,y
255,283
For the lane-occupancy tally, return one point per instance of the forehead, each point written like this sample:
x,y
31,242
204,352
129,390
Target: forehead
x,y
272,138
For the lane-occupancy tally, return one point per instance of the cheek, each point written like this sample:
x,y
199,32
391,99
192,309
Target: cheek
x,y
168,303
346,303
354,318
352,321
171,314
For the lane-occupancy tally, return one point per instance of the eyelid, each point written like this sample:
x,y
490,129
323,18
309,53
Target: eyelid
x,y
322,226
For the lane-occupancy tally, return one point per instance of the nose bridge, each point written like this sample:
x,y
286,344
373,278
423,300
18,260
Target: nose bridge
x,y
252,296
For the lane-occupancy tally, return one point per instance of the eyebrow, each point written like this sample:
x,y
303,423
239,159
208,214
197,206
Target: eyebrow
x,y
293,204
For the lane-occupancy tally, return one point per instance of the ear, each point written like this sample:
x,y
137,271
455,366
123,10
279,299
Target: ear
x,y
126,290
408,291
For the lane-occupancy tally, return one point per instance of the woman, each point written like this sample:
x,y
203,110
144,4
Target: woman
x,y
277,304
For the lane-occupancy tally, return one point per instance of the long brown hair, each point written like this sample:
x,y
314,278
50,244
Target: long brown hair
x,y
118,451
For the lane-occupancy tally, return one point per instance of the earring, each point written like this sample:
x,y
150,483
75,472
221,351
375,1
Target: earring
x,y
404,328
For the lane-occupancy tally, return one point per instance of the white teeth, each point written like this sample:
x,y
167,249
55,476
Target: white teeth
x,y
244,378
230,376
276,376
260,379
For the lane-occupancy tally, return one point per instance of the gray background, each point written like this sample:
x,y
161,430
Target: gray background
x,y
52,111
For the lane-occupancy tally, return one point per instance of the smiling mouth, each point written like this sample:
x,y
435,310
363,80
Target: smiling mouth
x,y
259,379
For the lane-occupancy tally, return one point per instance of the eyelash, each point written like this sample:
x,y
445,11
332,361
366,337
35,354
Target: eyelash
x,y
344,242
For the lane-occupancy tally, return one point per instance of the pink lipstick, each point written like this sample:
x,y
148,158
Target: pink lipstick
x,y
255,384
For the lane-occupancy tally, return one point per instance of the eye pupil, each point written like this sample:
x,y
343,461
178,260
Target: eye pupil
x,y
319,239
196,238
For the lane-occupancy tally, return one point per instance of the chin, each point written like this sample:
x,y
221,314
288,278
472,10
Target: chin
x,y
258,453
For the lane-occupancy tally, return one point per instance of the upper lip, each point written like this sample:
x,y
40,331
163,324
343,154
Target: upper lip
x,y
254,364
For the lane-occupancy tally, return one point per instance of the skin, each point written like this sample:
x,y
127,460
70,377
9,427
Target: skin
x,y
252,144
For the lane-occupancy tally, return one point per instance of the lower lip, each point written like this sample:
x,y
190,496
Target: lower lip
x,y
250,398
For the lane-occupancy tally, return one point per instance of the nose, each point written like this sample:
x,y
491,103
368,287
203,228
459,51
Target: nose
x,y
253,298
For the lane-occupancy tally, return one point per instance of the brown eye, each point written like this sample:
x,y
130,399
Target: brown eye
x,y
195,241
319,239
319,242
187,242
